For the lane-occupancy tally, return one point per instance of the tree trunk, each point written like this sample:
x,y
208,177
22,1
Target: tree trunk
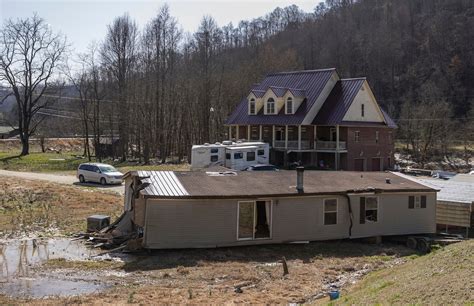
x,y
25,145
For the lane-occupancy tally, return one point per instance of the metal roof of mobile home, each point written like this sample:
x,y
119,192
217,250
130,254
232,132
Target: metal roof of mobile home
x,y
449,190
252,184
162,183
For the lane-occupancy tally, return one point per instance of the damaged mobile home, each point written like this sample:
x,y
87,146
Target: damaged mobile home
x,y
167,209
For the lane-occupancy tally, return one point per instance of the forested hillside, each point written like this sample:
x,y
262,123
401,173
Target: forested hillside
x,y
161,90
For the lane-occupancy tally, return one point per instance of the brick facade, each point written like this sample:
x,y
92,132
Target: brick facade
x,y
366,151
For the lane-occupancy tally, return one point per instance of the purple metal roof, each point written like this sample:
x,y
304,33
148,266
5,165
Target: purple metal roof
x,y
279,91
338,102
311,82
258,93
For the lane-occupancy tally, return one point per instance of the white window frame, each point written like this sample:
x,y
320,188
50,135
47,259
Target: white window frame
x,y
289,99
274,106
378,209
270,226
254,103
356,136
337,211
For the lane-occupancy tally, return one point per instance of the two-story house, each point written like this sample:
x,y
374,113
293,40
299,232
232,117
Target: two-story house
x,y
316,118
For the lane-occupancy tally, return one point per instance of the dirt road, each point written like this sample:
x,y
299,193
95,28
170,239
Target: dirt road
x,y
60,179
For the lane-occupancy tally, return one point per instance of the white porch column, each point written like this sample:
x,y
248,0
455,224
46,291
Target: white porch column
x,y
230,132
260,133
248,132
286,137
315,136
237,132
337,147
299,137
273,136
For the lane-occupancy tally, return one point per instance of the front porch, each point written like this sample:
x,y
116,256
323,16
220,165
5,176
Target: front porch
x,y
294,138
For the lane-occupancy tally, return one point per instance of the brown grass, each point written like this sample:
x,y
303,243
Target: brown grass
x,y
47,208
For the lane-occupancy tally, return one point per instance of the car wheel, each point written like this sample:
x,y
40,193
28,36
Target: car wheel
x,y
81,179
103,181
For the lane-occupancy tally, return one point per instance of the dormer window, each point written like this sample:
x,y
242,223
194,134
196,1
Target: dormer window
x,y
289,105
252,107
270,106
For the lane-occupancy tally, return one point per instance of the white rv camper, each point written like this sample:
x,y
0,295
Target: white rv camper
x,y
234,155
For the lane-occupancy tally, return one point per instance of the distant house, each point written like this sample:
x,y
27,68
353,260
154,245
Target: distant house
x,y
8,132
318,119
214,209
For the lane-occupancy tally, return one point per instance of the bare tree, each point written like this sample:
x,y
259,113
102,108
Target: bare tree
x,y
119,57
30,54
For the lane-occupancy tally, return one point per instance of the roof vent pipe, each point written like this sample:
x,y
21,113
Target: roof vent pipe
x,y
299,179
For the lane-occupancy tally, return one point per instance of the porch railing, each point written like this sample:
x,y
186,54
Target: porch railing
x,y
330,145
292,144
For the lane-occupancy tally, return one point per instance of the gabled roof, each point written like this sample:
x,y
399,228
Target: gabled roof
x,y
278,91
258,93
312,82
338,103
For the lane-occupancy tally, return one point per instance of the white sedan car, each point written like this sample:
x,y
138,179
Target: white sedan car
x,y
99,173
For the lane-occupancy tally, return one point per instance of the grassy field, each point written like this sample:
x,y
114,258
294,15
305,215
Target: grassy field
x,y
62,155
68,163
42,209
445,276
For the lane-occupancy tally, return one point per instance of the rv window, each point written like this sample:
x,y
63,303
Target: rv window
x,y
214,158
227,156
330,211
260,152
238,155
250,156
214,151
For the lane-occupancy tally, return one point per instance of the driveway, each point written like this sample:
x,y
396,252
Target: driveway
x,y
60,179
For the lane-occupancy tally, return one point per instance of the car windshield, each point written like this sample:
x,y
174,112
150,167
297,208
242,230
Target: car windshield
x,y
106,169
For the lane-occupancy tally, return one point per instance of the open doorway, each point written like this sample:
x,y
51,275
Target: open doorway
x,y
254,220
262,224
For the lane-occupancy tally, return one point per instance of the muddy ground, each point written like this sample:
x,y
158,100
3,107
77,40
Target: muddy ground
x,y
70,272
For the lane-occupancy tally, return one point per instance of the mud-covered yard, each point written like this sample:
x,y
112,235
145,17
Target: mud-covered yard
x,y
41,264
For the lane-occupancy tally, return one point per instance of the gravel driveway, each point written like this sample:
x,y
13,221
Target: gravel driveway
x,y
60,179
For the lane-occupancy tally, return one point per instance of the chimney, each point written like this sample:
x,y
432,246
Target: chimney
x,y
299,179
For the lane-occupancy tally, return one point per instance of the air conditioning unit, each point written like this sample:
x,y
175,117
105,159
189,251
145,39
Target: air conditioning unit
x,y
97,222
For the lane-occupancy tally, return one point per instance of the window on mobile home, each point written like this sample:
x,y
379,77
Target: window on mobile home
x,y
368,209
250,156
238,155
214,158
260,152
330,211
416,202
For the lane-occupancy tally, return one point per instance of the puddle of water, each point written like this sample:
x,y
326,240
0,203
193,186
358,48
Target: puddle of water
x,y
18,279
18,256
47,287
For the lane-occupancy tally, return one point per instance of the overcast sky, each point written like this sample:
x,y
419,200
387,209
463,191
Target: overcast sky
x,y
85,21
